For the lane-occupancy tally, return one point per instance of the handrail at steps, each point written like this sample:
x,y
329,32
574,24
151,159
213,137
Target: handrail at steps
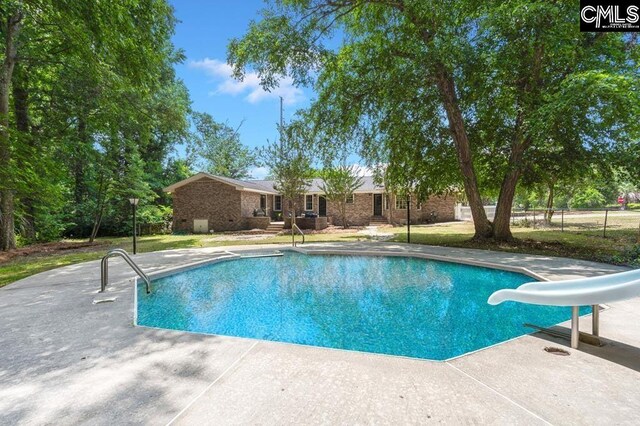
x,y
104,269
293,234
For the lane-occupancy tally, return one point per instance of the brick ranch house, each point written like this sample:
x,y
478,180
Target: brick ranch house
x,y
205,203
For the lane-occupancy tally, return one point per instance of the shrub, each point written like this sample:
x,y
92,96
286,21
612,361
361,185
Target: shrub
x,y
587,198
630,256
155,214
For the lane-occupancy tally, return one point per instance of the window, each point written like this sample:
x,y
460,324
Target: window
x,y
350,199
309,202
386,202
263,201
401,203
277,203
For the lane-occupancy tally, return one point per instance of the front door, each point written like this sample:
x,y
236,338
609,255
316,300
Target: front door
x,y
322,206
377,204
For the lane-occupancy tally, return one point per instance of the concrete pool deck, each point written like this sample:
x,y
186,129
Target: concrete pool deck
x,y
65,360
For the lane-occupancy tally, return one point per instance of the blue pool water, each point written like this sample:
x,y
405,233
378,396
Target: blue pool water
x,y
389,305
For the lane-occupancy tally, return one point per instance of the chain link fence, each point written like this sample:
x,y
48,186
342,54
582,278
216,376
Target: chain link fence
x,y
603,221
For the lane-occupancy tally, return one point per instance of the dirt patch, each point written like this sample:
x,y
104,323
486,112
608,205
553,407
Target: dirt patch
x,y
329,230
245,232
516,245
46,249
239,237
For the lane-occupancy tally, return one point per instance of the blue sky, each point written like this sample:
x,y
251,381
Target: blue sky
x,y
203,32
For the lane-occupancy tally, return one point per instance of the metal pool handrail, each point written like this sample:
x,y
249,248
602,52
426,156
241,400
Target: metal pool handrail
x,y
293,234
104,269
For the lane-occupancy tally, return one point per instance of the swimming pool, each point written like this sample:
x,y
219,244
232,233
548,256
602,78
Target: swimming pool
x,y
389,305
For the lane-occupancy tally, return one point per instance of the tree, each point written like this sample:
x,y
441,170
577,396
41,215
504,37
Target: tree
x,y
220,147
95,104
11,24
483,83
338,185
289,165
559,168
588,197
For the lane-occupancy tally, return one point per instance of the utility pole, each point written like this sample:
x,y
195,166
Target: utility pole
x,y
281,123
281,112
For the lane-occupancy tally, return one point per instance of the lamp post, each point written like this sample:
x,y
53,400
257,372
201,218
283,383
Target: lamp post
x,y
408,218
134,204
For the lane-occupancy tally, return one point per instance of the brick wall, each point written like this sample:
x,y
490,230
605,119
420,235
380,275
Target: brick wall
x,y
249,201
443,206
260,222
316,223
286,209
225,207
217,202
358,213
270,205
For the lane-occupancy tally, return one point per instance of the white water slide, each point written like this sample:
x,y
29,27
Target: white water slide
x,y
575,293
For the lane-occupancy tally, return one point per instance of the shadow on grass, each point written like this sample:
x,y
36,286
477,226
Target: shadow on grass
x,y
437,239
149,244
575,245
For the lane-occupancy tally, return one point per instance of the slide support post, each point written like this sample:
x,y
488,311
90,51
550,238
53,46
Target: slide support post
x,y
575,332
595,320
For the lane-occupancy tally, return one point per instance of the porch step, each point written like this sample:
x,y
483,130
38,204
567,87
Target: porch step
x,y
378,220
274,228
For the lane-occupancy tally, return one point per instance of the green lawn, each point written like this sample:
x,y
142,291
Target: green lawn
x,y
24,266
622,245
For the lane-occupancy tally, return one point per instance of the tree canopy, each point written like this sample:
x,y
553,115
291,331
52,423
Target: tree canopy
x,y
218,144
289,164
339,184
468,93
91,110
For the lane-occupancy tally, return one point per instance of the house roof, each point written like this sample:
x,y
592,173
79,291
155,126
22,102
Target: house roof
x,y
240,185
267,186
368,185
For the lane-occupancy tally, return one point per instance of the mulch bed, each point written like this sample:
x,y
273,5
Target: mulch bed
x,y
44,249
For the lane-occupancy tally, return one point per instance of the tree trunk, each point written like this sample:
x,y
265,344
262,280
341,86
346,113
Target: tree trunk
x,y
548,214
79,159
7,227
102,195
23,126
96,226
79,162
446,87
502,220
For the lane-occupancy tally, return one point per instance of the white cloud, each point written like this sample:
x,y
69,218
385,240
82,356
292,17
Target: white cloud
x,y
226,84
259,173
363,170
